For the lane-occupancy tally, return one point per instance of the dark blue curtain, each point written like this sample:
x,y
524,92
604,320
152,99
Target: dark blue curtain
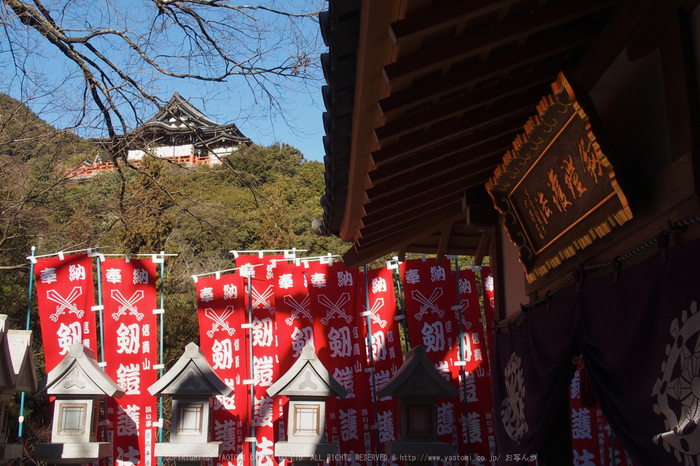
x,y
639,336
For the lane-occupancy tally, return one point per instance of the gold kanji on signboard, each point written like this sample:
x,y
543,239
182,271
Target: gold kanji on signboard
x,y
556,187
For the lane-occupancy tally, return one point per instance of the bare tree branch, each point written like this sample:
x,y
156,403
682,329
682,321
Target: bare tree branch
x,y
208,41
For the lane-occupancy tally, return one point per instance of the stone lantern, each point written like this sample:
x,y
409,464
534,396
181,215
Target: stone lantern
x,y
417,385
79,385
307,384
192,383
17,374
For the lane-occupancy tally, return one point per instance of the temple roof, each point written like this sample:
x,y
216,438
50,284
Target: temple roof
x,y
180,117
180,112
424,98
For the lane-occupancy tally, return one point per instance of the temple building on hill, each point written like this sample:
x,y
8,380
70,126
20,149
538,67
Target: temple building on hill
x,y
179,132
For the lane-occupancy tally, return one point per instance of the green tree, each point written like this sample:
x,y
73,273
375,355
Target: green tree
x,y
147,209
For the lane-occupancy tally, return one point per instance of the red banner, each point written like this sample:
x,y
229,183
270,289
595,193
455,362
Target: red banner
x,y
221,312
293,312
341,349
385,347
476,427
488,293
65,295
267,412
590,432
430,293
130,347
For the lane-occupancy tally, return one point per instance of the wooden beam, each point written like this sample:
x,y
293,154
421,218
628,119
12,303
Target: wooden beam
x,y
472,100
481,216
680,84
536,52
610,42
423,249
468,158
402,254
432,19
482,249
374,224
500,34
444,243
458,147
446,192
480,170
450,209
355,257
451,129
389,228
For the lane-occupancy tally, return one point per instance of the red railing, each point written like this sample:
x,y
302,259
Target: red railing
x,y
87,171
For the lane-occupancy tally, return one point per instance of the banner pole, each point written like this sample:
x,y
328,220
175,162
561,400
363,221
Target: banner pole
x,y
462,371
612,446
99,303
160,362
371,359
105,430
252,368
404,322
29,313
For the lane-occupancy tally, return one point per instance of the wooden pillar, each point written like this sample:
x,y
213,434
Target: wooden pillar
x,y
678,61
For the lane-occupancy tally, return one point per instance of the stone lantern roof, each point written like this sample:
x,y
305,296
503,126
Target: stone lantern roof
x,y
78,374
17,371
417,377
191,375
308,377
20,346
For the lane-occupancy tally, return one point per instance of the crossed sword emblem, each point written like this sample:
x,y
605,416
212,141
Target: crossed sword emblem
x,y
465,306
428,303
335,309
65,303
262,299
376,306
298,309
127,304
219,321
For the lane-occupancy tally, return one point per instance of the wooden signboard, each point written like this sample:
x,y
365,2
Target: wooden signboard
x,y
556,188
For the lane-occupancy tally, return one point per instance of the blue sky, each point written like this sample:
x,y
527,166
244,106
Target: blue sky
x,y
302,129
34,71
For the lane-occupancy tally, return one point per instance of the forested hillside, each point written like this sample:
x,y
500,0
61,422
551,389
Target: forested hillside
x,y
261,198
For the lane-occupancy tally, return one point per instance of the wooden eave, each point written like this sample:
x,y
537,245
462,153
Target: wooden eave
x,y
440,91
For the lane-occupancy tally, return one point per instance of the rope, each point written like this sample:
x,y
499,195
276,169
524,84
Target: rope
x,y
524,308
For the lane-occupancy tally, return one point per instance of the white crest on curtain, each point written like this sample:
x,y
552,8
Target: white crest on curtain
x,y
677,392
513,413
